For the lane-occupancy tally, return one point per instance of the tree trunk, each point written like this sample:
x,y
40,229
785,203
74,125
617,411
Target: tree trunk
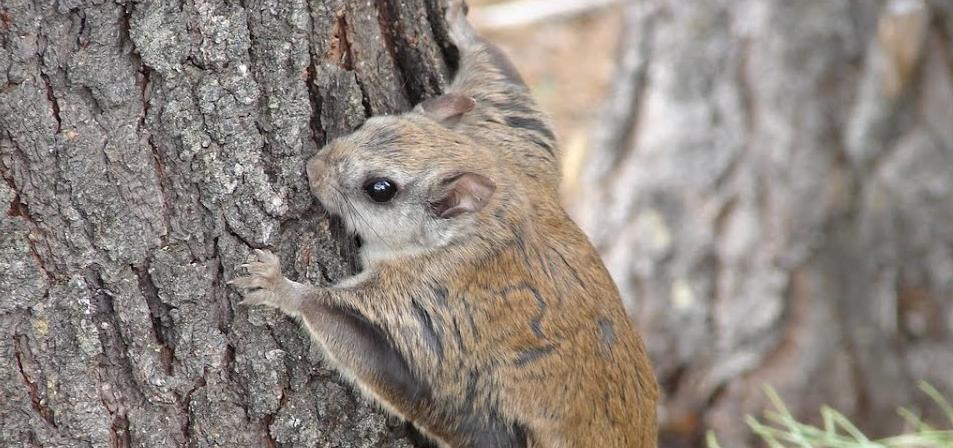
x,y
145,148
772,189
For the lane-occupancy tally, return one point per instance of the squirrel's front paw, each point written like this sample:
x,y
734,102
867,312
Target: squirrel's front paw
x,y
265,281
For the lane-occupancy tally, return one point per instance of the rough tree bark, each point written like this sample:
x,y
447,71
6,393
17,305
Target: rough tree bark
x,y
772,188
145,147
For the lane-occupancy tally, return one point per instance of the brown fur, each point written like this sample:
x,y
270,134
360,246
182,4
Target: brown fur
x,y
498,326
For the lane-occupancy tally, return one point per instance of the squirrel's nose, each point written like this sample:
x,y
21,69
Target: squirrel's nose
x,y
318,170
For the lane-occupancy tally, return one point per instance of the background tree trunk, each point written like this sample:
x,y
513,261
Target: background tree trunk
x,y
772,188
145,147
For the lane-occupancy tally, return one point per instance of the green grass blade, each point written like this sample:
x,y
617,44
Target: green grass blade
x,y
938,398
914,421
711,440
764,432
779,428
925,439
845,424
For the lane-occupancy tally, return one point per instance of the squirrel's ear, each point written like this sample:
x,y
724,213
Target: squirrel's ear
x,y
464,193
446,109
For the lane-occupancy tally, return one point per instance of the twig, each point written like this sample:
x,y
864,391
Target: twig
x,y
525,12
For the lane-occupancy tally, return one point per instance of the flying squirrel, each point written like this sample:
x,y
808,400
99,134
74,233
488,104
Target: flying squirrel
x,y
483,315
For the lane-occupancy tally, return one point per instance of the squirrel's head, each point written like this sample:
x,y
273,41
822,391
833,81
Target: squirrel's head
x,y
411,183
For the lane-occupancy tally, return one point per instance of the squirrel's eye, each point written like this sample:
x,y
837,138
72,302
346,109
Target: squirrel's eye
x,y
380,190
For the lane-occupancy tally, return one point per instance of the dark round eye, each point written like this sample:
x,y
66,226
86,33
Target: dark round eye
x,y
380,190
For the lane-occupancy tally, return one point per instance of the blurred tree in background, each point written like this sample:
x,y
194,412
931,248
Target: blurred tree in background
x,y
771,186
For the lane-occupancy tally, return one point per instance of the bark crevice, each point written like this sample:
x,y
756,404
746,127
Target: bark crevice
x,y
21,349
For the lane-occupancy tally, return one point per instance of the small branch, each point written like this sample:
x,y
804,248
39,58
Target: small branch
x,y
525,12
